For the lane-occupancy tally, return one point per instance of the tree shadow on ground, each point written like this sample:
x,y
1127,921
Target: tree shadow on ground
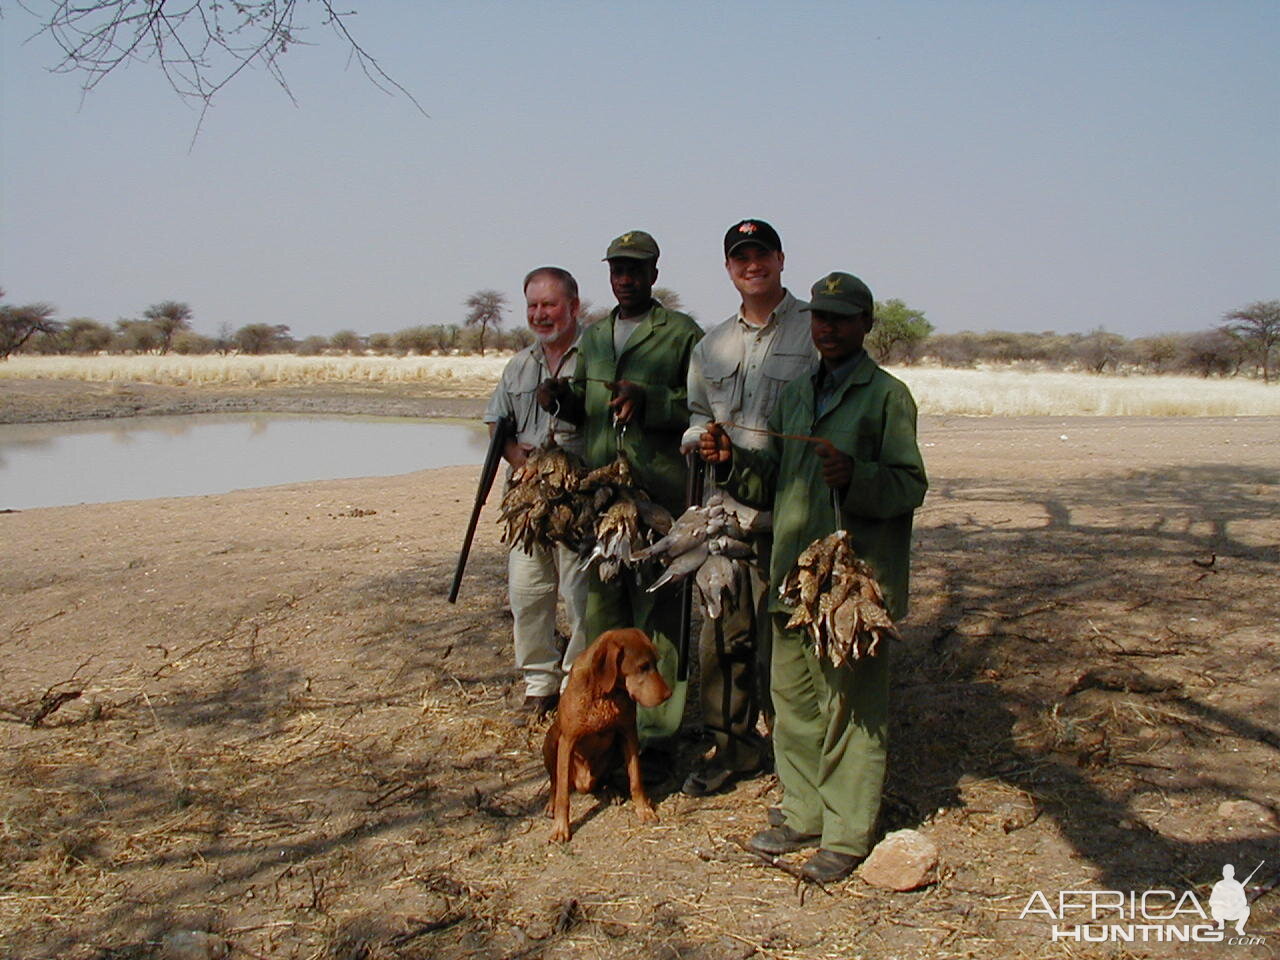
x,y
1052,633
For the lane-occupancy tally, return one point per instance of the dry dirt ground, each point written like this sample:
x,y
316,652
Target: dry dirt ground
x,y
286,736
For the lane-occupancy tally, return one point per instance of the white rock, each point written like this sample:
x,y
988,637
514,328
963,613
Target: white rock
x,y
903,860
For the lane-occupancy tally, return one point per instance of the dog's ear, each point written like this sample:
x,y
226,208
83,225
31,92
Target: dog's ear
x,y
606,662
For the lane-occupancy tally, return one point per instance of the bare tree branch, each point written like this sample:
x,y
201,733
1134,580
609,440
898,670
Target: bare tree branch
x,y
199,45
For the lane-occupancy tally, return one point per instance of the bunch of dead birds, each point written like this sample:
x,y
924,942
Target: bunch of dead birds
x,y
627,520
707,542
837,600
542,506
609,520
602,513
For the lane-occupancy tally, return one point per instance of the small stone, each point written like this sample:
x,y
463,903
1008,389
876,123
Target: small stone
x,y
193,945
1246,811
903,860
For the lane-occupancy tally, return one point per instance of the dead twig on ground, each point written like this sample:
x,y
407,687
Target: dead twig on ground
x,y
24,627
1001,615
450,919
802,882
54,699
51,702
1265,887
399,793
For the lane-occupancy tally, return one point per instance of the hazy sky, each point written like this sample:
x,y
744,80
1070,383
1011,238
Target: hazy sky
x,y
1017,165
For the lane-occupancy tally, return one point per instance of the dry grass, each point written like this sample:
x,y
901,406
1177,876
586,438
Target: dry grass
x,y
250,371
988,392
1015,393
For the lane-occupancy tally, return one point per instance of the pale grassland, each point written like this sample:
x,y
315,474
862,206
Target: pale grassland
x,y
242,371
991,392
1015,393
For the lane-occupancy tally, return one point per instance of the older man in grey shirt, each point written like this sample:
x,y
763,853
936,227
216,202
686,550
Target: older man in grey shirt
x,y
535,576
735,376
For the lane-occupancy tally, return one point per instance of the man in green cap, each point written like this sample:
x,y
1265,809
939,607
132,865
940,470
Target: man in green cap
x,y
629,392
867,478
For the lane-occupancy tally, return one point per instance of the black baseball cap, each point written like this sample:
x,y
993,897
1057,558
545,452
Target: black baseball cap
x,y
751,231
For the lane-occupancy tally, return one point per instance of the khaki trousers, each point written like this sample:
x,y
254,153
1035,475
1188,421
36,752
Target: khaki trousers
x,y
829,740
533,581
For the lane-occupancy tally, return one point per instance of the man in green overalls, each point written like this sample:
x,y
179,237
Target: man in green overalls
x,y
831,731
629,390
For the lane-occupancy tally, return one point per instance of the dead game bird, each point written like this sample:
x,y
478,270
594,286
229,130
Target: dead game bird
x,y
837,600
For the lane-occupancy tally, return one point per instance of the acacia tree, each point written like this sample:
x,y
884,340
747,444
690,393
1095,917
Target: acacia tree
x,y
486,308
348,341
1099,349
589,313
20,324
899,332
1157,352
669,299
259,338
199,45
136,336
420,340
1211,351
77,335
1257,326
168,317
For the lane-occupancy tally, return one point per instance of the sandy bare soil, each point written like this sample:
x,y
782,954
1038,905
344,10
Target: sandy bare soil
x,y
285,735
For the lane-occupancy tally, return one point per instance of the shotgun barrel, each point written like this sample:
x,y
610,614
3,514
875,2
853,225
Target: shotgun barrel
x,y
503,431
693,489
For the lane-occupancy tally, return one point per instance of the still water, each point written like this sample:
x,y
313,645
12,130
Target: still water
x,y
55,464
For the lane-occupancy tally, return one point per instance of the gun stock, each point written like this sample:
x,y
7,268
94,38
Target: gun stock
x,y
503,431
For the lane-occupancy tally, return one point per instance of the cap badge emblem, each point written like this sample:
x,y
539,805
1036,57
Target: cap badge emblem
x,y
625,239
747,227
833,285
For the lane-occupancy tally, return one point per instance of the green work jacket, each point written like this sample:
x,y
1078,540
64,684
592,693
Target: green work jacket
x,y
656,357
872,418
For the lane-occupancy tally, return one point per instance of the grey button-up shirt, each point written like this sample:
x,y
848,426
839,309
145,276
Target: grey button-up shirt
x,y
516,397
738,369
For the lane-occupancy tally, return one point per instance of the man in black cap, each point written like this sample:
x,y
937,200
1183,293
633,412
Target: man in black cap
x,y
629,392
735,376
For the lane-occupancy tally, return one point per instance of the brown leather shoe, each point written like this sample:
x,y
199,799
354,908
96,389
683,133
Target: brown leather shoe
x,y
782,839
535,708
711,777
828,866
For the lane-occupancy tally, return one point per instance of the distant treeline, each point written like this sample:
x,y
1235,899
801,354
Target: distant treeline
x,y
1238,347
86,336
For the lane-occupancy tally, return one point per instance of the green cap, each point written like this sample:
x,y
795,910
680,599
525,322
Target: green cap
x,y
841,293
634,245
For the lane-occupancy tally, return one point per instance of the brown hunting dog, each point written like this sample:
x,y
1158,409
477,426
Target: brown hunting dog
x,y
597,716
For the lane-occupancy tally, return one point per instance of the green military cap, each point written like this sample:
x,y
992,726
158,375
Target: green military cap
x,y
841,293
633,245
